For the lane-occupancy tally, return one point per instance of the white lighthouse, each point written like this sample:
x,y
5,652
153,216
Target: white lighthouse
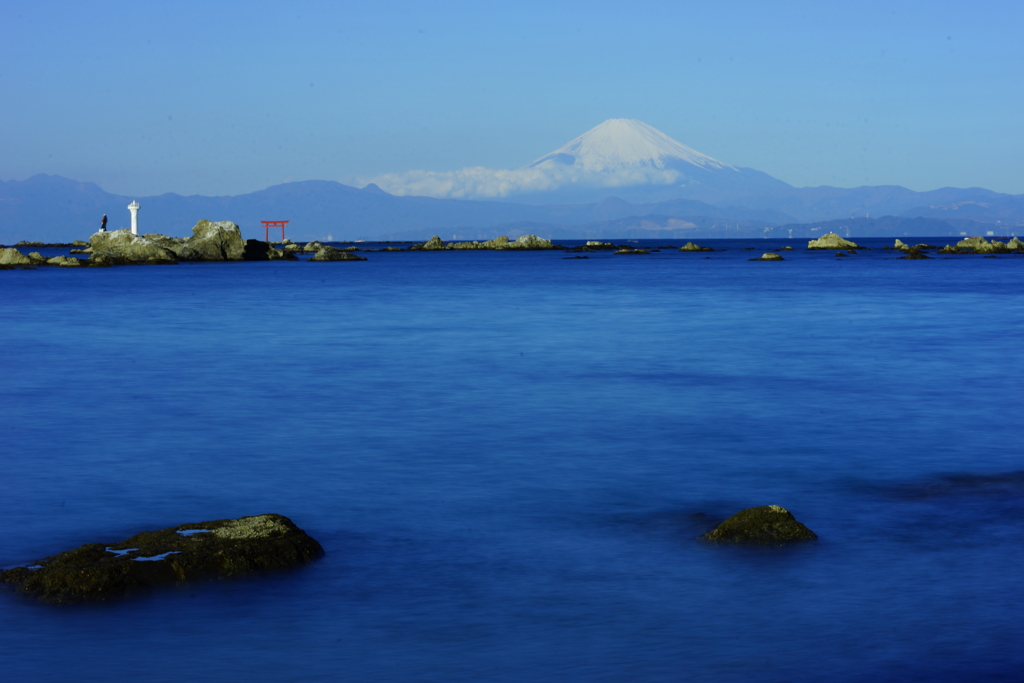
x,y
134,208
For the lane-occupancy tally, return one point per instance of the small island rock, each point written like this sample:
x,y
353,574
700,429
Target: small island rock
x,y
435,243
768,256
832,241
12,257
216,549
332,254
690,246
64,261
765,525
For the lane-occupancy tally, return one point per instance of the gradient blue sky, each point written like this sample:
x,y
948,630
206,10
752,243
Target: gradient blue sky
x,y
230,97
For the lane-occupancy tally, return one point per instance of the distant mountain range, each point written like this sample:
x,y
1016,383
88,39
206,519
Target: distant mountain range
x,y
620,179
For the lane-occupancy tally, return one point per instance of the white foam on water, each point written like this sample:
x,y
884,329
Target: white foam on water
x,y
155,557
193,532
121,553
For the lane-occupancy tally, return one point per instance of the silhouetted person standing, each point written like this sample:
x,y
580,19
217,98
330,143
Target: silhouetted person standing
x,y
103,223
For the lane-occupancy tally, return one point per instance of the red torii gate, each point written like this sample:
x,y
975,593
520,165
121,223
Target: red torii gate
x,y
267,225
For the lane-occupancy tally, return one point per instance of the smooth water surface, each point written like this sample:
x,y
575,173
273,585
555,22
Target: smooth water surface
x,y
508,458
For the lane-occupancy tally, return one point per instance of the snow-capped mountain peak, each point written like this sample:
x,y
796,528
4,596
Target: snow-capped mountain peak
x,y
623,143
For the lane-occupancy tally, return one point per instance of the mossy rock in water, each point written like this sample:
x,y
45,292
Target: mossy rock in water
x,y
326,253
765,525
832,241
216,549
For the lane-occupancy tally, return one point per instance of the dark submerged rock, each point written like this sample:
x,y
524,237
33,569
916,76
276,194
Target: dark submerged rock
x,y
258,250
216,549
765,525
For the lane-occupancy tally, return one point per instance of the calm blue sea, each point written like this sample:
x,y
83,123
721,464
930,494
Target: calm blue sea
x,y
508,458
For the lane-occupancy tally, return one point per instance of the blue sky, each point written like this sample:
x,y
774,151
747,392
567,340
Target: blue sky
x,y
223,98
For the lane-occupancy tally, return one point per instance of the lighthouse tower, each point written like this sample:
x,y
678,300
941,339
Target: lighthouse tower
x,y
134,208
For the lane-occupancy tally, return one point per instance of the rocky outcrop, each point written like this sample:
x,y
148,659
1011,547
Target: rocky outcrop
x,y
971,243
768,256
221,241
1015,244
765,525
82,251
121,246
950,249
914,255
982,246
524,242
832,241
312,247
36,258
79,243
629,250
217,549
64,262
690,246
530,242
13,257
210,241
332,254
902,246
497,243
595,244
435,243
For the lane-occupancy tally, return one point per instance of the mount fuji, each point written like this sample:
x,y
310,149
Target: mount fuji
x,y
622,157
620,144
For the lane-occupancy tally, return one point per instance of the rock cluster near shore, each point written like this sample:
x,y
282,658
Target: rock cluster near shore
x,y
764,525
524,242
979,245
216,549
